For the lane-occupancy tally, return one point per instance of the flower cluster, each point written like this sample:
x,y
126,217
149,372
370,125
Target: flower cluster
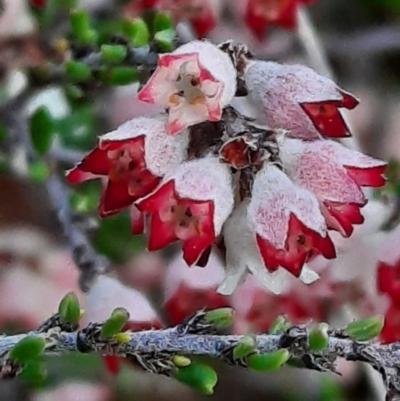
x,y
265,193
203,15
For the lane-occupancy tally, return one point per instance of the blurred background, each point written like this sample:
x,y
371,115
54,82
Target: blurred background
x,y
361,42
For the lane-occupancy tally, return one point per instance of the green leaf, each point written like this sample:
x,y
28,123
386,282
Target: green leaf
x,y
38,172
3,133
123,75
85,199
113,54
114,239
221,318
81,27
79,130
246,346
69,309
74,92
77,71
28,349
279,325
42,130
35,373
165,39
318,338
268,361
162,22
137,31
115,323
198,376
365,329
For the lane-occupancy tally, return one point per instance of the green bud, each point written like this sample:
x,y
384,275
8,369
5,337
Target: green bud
x,y
38,172
115,323
365,329
28,349
42,130
269,361
318,338
279,325
181,361
77,71
162,22
246,346
201,377
220,319
69,309
113,54
137,31
165,39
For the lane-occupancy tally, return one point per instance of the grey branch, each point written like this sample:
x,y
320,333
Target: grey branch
x,y
154,350
76,228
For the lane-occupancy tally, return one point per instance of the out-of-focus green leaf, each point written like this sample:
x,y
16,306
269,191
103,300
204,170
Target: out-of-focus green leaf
x,y
80,129
28,349
113,238
114,54
77,71
137,31
162,22
42,130
38,172
165,39
81,27
268,361
34,373
85,198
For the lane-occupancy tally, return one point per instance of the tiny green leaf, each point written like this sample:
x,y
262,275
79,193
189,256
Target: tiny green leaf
x,y
162,22
69,309
38,172
268,361
77,71
74,92
246,346
113,54
279,325
365,329
199,376
81,28
221,318
165,39
42,130
34,372
318,338
115,323
122,75
28,349
137,31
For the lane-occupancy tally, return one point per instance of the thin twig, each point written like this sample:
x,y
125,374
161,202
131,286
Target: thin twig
x,y
154,350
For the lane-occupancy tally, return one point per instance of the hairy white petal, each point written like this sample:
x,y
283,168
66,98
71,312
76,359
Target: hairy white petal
x,y
274,198
206,180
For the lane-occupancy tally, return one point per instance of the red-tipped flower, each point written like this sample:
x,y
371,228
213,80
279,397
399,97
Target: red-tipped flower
x,y
297,99
134,158
335,175
190,205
